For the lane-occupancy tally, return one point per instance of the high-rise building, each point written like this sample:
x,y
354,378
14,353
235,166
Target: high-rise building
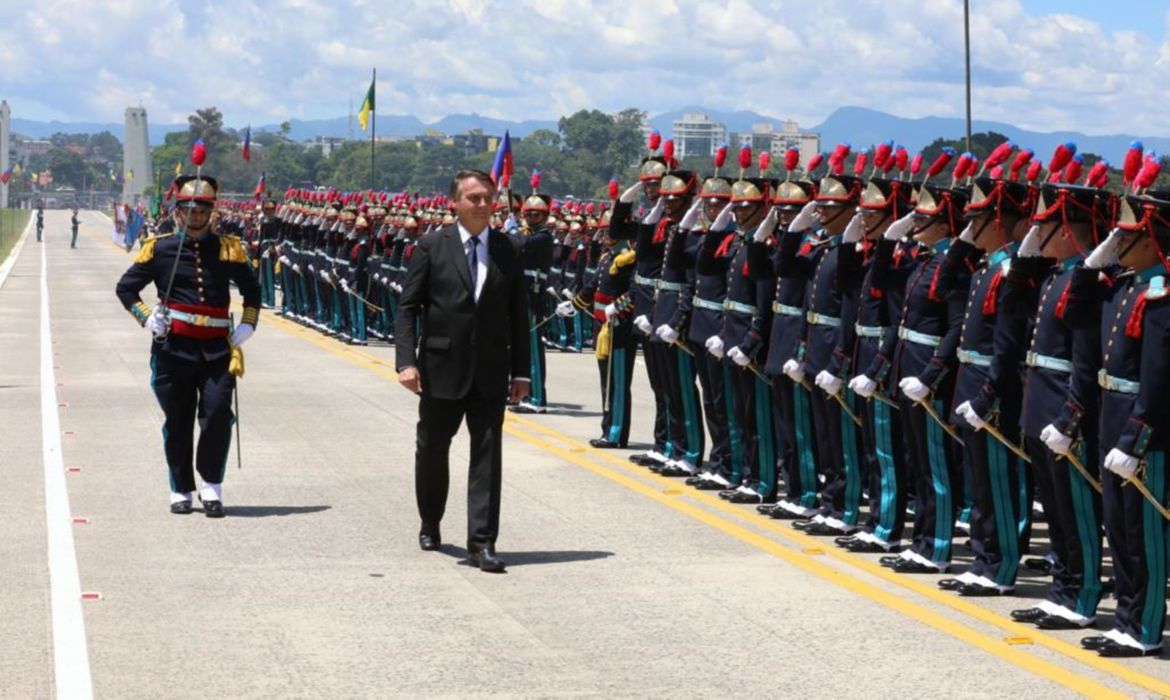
x,y
137,167
697,134
790,134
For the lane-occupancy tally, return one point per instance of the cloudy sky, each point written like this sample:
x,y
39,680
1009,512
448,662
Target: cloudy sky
x,y
1088,65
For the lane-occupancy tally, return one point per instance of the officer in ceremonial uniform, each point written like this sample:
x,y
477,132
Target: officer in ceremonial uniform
x,y
195,356
795,442
536,254
607,296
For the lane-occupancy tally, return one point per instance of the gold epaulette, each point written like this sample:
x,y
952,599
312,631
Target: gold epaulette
x,y
623,259
146,252
231,249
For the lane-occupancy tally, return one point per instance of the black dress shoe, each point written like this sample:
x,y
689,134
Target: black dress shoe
x,y
803,525
766,508
428,542
890,561
604,444
864,547
909,566
742,497
642,459
950,584
708,485
694,480
486,560
673,471
1038,564
726,494
978,590
823,530
1113,650
181,507
1029,615
1094,642
1056,622
213,509
785,514
845,540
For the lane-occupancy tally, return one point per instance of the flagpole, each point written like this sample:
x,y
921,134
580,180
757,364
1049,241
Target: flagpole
x,y
373,127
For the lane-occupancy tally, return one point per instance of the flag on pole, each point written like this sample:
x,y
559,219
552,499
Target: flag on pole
x,y
367,107
4,176
178,168
130,175
248,144
261,185
502,166
16,169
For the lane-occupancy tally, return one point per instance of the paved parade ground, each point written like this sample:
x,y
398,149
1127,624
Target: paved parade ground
x,y
620,583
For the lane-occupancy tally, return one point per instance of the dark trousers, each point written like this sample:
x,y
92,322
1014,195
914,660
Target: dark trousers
x,y
882,438
617,372
537,395
710,373
742,388
837,443
997,529
186,390
685,421
1072,509
438,421
796,448
937,480
658,362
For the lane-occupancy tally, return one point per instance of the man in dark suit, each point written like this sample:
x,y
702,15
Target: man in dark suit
x,y
462,344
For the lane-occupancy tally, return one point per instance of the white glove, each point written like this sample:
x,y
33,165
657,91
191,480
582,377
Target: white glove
x,y
1121,464
297,268
968,234
829,382
854,230
714,346
284,260
1105,253
324,276
345,284
1057,441
863,386
766,227
312,269
900,228
806,219
610,311
724,219
655,213
914,389
738,357
552,290
567,294
1030,246
631,194
794,371
565,309
643,324
667,334
158,322
265,254
968,414
241,334
692,216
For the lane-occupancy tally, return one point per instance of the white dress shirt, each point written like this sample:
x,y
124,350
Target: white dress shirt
x,y
481,255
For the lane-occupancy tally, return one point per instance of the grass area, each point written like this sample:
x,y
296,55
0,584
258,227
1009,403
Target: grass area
x,y
12,223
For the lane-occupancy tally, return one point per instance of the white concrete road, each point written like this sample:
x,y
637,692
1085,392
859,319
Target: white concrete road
x,y
621,583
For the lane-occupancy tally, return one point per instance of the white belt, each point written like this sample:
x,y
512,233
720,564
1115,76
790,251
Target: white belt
x,y
707,304
200,319
1035,359
1121,386
786,310
920,338
973,357
823,320
871,331
740,308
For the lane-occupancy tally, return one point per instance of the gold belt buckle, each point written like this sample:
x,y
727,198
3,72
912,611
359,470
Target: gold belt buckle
x,y
202,320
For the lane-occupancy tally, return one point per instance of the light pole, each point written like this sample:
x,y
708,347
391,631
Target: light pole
x,y
967,56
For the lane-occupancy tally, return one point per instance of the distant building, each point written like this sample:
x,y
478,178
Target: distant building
x,y
765,137
325,144
696,134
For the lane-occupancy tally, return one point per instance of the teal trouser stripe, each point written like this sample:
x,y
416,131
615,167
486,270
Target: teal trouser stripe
x,y
537,381
1154,608
767,442
804,452
1090,537
852,463
617,393
733,434
578,332
686,375
883,442
944,513
1003,502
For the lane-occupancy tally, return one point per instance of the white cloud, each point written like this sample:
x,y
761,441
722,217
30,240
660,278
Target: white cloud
x,y
262,61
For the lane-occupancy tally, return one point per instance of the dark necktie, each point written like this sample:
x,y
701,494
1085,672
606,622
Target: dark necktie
x,y
473,261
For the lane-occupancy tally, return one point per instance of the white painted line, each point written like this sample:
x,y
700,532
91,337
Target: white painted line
x,y
70,654
10,261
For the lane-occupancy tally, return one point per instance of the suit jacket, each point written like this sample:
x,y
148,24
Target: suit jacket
x,y
455,342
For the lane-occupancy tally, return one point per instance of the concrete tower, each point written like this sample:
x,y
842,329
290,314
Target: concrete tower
x,y
5,112
137,168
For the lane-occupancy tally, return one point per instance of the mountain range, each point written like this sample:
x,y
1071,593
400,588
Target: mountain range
x,y
856,125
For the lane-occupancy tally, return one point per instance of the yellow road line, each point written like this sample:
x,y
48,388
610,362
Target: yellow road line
x,y
950,600
1024,660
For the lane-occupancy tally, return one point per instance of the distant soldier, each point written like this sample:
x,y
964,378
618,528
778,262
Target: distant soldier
x,y
40,220
75,222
